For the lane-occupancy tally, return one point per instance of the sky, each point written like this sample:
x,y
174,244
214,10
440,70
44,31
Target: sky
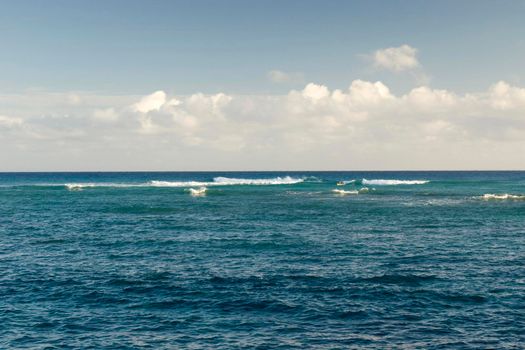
x,y
262,85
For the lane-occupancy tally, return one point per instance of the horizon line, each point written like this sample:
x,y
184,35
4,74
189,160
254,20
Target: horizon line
x,y
250,171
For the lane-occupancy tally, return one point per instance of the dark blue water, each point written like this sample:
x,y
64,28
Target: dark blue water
x,y
138,261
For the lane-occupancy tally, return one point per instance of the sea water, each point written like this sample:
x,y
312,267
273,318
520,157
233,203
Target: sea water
x,y
269,260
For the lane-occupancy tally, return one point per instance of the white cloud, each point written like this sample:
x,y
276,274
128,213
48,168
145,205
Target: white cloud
x,y
363,126
367,93
10,122
315,92
505,97
107,115
281,77
427,100
396,59
151,102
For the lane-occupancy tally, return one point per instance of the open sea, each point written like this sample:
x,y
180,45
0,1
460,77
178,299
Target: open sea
x,y
262,260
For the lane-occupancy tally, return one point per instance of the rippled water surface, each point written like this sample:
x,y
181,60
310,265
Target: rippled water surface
x,y
262,260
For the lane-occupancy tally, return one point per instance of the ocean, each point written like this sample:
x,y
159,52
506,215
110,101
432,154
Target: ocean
x,y
262,260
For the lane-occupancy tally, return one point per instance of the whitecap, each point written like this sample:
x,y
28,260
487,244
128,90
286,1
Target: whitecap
x,y
227,181
312,179
364,190
198,192
217,181
383,182
78,186
492,196
155,183
286,180
344,192
82,185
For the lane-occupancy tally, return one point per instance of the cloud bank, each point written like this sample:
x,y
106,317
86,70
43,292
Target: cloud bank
x,y
365,126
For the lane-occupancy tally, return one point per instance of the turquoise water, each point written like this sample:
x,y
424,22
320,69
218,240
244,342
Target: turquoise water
x,y
262,260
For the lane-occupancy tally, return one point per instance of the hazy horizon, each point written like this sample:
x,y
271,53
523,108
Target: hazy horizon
x,y
266,171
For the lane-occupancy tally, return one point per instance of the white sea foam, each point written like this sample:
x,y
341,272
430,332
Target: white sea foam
x,y
78,186
82,185
343,192
218,181
492,196
312,179
178,183
382,182
364,190
198,192
227,181
286,180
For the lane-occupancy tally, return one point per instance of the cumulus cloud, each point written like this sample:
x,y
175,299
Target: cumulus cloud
x,y
396,59
314,92
151,102
363,126
506,97
316,115
281,77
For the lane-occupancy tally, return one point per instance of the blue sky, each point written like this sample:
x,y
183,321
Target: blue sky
x,y
262,85
186,46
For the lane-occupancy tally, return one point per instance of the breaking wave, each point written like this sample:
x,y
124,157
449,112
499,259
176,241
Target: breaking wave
x,y
80,186
364,190
505,196
217,181
199,192
77,187
286,180
227,181
344,192
382,182
155,183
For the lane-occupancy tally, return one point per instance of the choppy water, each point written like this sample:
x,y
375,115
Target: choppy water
x,y
262,260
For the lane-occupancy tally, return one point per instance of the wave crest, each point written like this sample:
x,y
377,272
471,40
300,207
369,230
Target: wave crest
x,y
217,181
286,180
383,182
505,196
228,181
156,183
79,186
198,192
344,192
